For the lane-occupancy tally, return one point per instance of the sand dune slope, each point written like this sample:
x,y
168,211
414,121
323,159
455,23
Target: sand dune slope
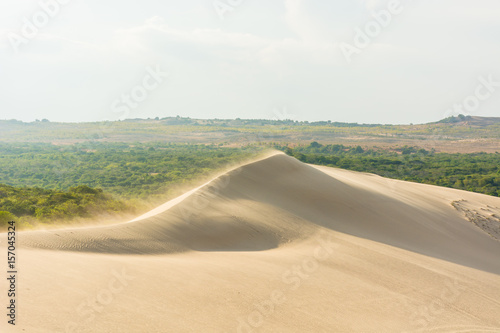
x,y
274,246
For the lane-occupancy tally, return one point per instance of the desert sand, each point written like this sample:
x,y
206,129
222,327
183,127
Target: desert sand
x,y
273,246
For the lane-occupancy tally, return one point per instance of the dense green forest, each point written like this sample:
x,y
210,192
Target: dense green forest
x,y
46,206
129,170
476,172
43,182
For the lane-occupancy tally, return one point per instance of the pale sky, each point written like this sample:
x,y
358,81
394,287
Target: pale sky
x,y
87,60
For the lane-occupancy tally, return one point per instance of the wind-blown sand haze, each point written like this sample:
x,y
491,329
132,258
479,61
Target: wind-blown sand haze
x,y
275,245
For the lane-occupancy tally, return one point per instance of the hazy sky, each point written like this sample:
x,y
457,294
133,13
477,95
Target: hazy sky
x,y
344,60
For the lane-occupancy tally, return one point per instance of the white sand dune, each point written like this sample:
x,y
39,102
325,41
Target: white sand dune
x,y
273,246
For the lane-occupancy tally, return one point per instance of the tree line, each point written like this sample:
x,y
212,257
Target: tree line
x,y
476,172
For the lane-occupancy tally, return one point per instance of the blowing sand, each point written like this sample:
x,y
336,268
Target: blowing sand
x,y
273,246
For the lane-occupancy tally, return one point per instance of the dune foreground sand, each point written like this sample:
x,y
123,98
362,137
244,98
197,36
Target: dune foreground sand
x,y
273,246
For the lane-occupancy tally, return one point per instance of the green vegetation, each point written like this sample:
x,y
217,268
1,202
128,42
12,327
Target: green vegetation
x,y
127,170
478,172
457,119
47,206
45,182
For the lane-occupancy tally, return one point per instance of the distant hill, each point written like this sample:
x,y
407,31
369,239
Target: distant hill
x,y
471,120
441,135
483,121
